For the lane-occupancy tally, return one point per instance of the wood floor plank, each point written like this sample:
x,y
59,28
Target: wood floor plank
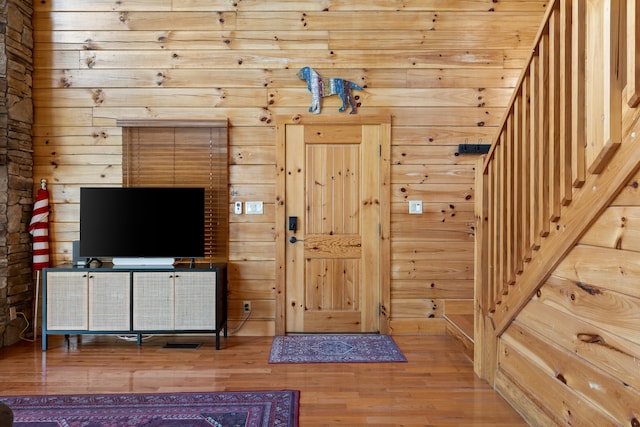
x,y
436,387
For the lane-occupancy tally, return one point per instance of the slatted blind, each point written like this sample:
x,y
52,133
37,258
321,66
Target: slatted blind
x,y
183,154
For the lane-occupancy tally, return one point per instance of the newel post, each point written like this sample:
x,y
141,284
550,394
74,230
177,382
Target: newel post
x,y
485,341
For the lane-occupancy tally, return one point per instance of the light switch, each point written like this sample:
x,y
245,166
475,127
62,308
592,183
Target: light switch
x,y
253,208
415,207
237,208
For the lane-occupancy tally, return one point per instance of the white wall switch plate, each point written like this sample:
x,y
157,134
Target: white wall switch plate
x,y
237,208
254,208
415,206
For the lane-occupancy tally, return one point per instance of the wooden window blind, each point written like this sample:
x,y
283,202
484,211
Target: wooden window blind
x,y
183,154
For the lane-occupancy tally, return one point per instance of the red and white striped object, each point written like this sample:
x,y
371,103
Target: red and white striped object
x,y
39,229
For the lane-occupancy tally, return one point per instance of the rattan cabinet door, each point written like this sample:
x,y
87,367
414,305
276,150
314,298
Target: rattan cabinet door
x,y
153,301
195,300
109,301
67,301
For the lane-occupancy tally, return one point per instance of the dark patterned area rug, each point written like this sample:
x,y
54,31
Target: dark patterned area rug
x,y
260,408
335,349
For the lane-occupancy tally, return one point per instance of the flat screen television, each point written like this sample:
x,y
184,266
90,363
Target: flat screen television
x,y
141,225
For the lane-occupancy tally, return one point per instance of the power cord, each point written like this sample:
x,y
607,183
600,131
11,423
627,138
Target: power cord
x,y
134,338
21,335
242,322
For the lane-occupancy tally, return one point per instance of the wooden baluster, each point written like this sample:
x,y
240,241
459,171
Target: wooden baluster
x,y
633,58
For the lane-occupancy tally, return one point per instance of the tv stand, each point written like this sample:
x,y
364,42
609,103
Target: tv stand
x,y
134,300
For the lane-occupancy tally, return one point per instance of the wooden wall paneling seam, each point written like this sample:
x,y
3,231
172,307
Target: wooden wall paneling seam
x,y
566,405
529,6
618,357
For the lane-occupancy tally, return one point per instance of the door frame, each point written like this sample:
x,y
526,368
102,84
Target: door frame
x,y
382,120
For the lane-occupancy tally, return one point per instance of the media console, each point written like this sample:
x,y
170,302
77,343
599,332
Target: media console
x,y
134,300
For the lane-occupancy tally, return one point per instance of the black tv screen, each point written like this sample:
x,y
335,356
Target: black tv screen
x,y
141,222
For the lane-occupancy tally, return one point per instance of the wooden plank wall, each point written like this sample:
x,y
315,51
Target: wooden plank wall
x,y
579,336
444,71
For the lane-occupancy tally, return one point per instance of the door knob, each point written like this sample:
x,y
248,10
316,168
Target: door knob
x,y
293,239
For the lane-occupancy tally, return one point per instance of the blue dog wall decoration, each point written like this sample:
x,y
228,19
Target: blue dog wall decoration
x,y
321,87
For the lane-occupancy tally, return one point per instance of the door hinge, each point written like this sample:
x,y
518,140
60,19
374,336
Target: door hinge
x,y
379,230
380,150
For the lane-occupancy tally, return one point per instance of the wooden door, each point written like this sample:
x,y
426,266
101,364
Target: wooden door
x,y
336,258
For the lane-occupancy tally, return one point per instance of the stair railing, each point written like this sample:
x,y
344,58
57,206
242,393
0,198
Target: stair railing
x,y
563,151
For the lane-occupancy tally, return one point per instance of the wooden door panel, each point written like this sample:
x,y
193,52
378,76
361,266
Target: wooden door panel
x,y
329,246
321,321
333,134
332,285
333,195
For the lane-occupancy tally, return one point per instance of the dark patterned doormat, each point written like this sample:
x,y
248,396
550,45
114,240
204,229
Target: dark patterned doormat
x,y
335,349
255,408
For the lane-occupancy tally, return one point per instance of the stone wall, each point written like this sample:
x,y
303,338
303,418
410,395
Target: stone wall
x,y
16,166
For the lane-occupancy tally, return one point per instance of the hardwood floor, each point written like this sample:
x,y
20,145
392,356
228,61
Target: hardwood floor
x,y
436,387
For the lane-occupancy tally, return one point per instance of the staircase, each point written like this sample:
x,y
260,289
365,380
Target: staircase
x,y
565,148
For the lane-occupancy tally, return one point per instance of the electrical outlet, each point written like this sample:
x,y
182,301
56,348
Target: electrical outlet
x,y
246,306
13,315
237,208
